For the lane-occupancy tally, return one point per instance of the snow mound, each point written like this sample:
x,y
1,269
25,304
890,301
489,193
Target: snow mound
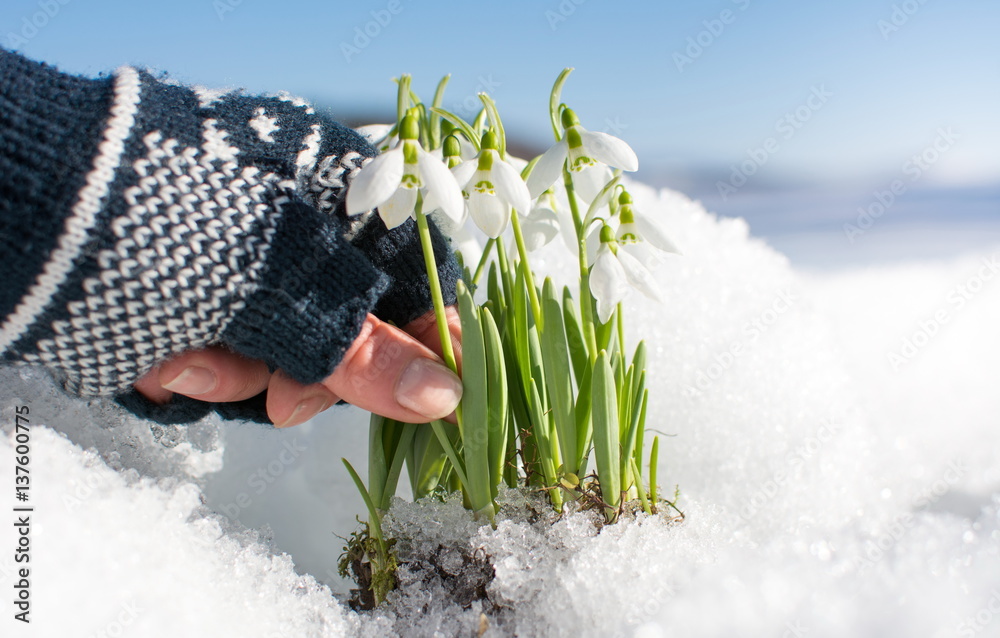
x,y
830,488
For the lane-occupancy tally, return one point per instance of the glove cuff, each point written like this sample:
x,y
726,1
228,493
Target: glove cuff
x,y
398,253
309,301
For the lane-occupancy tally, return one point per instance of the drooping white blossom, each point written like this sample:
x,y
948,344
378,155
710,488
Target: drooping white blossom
x,y
491,187
581,151
392,181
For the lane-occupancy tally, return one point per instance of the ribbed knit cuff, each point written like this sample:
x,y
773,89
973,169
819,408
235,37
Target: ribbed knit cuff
x,y
398,253
310,301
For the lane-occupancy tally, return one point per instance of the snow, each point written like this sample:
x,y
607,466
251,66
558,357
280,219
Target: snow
x,y
829,488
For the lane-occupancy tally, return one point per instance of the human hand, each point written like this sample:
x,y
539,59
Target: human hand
x,y
397,373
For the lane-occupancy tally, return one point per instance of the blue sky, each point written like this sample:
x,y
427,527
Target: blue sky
x,y
893,73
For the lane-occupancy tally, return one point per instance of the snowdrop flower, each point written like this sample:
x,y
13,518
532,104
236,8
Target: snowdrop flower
x,y
492,187
578,150
392,180
614,271
540,226
639,235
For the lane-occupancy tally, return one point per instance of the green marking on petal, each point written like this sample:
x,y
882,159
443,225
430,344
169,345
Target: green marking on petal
x,y
486,187
409,181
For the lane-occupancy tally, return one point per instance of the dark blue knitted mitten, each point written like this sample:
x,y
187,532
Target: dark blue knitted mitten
x,y
140,218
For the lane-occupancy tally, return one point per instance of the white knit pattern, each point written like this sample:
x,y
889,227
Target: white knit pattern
x,y
186,255
84,214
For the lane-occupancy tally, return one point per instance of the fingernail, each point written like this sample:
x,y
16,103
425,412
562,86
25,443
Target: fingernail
x,y
306,410
193,381
429,388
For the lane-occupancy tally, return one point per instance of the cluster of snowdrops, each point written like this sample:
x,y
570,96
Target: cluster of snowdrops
x,y
549,386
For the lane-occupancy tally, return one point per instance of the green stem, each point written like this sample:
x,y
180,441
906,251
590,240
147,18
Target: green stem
x,y
586,302
483,261
430,265
522,251
621,330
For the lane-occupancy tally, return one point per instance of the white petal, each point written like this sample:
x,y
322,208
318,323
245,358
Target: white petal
x,y
463,172
638,275
609,150
376,182
510,187
651,232
463,241
589,182
547,169
442,191
398,208
539,228
375,133
466,150
516,162
489,212
608,282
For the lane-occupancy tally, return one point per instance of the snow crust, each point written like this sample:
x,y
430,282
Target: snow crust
x,y
829,488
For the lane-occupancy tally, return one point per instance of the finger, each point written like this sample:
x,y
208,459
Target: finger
x,y
215,375
424,329
291,403
149,387
388,372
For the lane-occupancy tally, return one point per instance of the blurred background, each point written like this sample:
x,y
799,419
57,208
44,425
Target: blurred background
x,y
845,133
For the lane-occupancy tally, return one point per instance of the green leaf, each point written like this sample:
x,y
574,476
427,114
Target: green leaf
x,y
546,446
629,441
441,430
560,387
606,447
639,487
375,522
426,462
554,99
574,336
435,123
497,384
398,455
654,460
475,421
460,124
584,427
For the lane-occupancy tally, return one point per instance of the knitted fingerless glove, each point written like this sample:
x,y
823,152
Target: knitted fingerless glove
x,y
140,218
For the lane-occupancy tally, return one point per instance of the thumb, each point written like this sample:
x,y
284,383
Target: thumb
x,y
388,372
